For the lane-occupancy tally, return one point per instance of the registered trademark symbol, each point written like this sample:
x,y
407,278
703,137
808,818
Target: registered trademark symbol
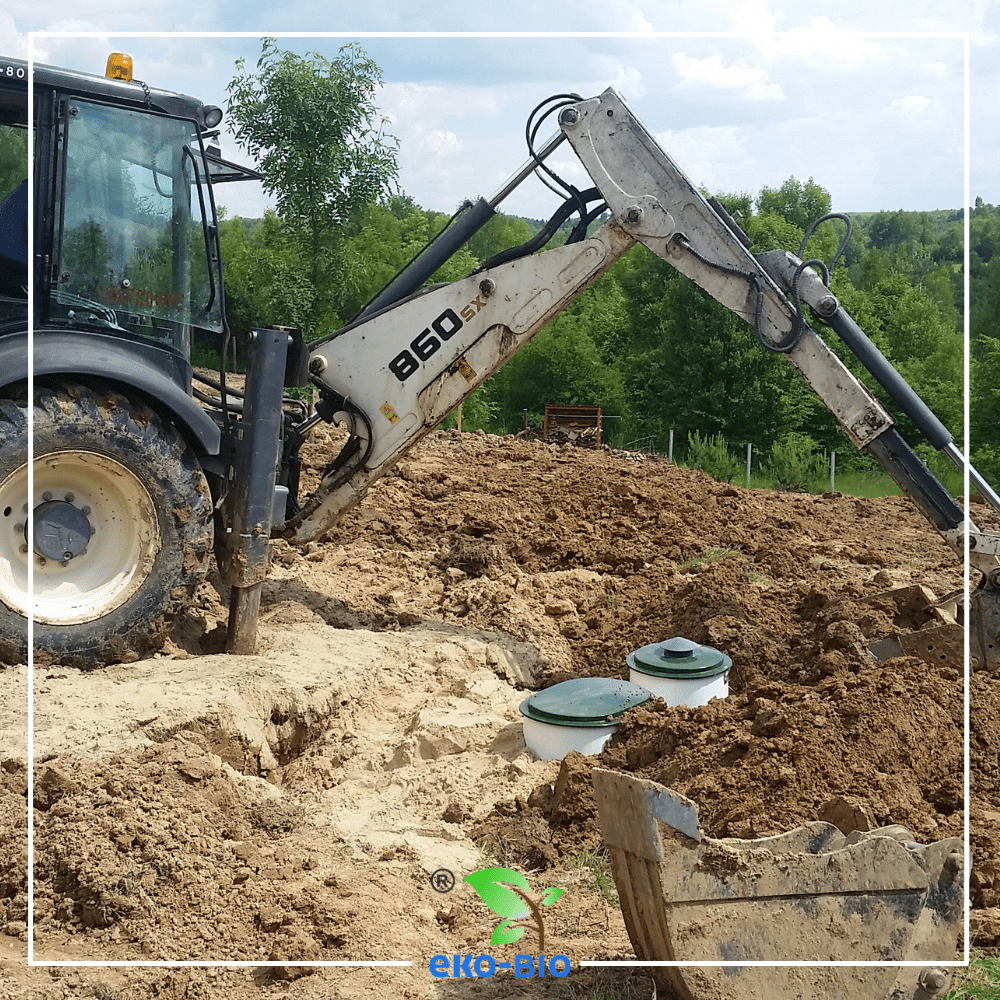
x,y
442,880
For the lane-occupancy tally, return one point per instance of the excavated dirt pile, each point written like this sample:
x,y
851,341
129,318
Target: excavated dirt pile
x,y
291,806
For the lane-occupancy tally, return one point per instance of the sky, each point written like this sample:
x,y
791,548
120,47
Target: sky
x,y
870,105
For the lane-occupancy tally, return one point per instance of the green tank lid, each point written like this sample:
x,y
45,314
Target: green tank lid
x,y
679,658
584,701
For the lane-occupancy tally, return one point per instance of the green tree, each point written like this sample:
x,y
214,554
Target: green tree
x,y
696,367
984,231
771,231
984,409
267,278
387,237
984,308
500,233
797,203
312,125
739,206
13,158
87,256
561,366
889,229
939,284
919,340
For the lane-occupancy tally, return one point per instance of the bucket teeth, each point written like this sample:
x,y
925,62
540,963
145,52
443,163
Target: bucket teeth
x,y
927,627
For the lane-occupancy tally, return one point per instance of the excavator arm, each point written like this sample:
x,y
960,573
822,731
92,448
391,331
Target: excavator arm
x,y
395,372
398,370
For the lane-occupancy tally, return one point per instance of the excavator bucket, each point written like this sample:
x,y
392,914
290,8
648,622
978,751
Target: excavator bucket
x,y
927,627
810,895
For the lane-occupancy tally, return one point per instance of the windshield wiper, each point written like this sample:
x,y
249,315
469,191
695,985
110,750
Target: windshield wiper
x,y
97,313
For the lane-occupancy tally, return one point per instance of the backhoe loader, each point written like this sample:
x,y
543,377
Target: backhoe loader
x,y
140,474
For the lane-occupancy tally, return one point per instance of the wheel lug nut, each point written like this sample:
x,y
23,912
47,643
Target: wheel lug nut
x,y
24,508
24,550
41,560
19,527
70,497
47,495
85,511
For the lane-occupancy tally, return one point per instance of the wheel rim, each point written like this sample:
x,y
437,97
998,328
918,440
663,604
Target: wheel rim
x,y
100,495
13,548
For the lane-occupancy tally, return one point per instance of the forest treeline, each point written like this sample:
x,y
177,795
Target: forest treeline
x,y
650,348
643,343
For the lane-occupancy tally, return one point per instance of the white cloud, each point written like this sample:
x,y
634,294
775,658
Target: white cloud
x,y
454,142
754,18
828,45
911,104
15,42
627,80
740,75
459,108
713,157
406,103
570,169
443,143
638,22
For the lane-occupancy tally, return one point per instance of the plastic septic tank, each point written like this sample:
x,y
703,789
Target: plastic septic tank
x,y
680,671
578,714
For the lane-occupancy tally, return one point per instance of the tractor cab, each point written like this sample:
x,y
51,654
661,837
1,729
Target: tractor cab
x,y
134,233
126,234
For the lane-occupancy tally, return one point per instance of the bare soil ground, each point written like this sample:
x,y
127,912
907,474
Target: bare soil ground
x,y
289,807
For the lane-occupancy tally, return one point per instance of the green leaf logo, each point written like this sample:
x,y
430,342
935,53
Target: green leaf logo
x,y
504,933
507,893
502,901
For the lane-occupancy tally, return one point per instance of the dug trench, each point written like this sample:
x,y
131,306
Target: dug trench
x,y
290,807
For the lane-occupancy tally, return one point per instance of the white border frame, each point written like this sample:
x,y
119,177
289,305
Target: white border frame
x,y
964,962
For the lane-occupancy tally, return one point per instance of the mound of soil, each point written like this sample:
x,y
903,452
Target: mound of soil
x,y
291,806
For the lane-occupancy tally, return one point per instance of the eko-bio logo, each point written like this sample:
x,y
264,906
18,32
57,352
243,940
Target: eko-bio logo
x,y
507,893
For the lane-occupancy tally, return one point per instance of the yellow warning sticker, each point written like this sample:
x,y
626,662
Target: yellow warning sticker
x,y
466,370
389,413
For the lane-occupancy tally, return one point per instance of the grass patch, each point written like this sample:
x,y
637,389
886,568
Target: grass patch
x,y
855,484
277,817
102,991
495,852
618,984
865,484
596,862
616,602
205,357
981,981
706,556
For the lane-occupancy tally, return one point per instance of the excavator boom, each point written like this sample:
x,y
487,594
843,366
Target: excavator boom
x,y
413,356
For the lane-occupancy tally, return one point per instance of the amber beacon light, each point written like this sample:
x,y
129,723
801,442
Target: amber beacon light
x,y
119,66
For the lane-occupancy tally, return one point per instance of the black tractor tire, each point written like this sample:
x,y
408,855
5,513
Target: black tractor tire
x,y
115,467
13,457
